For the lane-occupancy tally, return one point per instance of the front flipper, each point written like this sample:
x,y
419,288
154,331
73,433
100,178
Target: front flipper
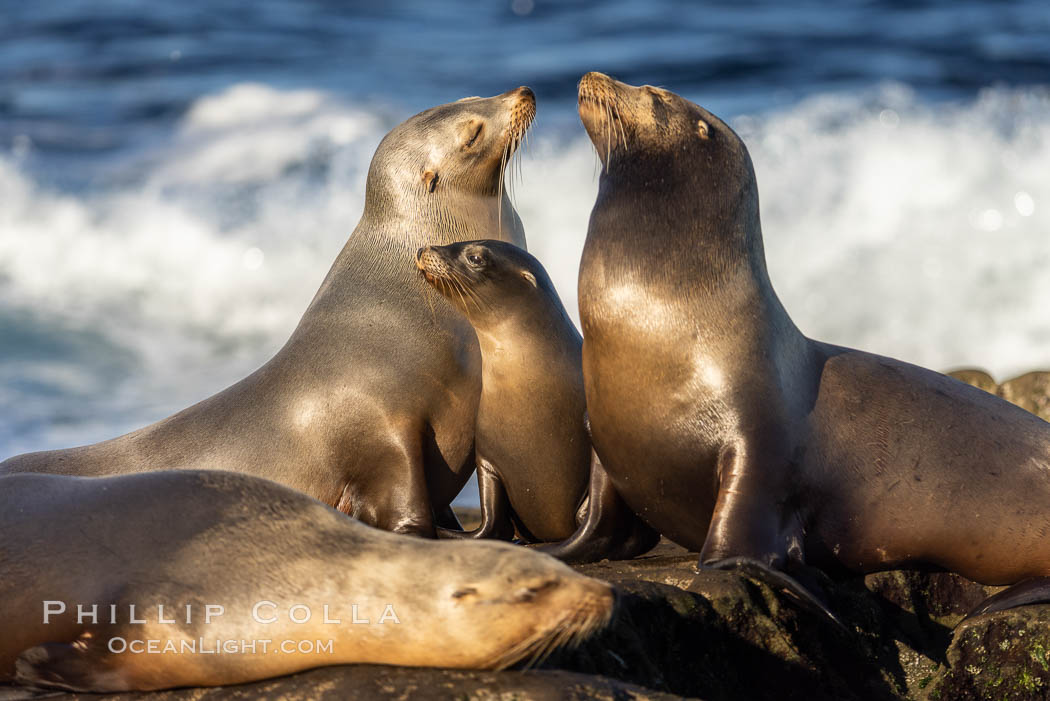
x,y
609,530
1031,591
495,508
750,532
778,580
393,493
70,666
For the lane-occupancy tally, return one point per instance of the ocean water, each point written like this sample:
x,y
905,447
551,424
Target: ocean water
x,y
175,179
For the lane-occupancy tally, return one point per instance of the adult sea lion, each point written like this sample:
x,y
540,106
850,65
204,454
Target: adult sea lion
x,y
370,406
732,433
533,451
203,578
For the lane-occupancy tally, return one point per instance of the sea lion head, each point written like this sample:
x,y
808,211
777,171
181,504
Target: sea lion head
x,y
500,604
486,280
449,154
671,159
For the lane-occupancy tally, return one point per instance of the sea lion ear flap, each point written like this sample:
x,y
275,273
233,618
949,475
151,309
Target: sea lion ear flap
x,y
701,128
430,180
529,277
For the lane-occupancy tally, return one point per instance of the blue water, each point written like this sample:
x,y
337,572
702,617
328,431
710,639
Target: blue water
x,y
175,178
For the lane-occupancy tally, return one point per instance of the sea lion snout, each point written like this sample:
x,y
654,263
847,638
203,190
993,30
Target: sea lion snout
x,y
431,262
525,92
594,79
523,98
522,112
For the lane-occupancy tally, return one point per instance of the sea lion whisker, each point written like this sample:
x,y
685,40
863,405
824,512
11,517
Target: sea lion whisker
x,y
518,159
623,133
478,302
457,289
525,147
454,282
511,150
517,163
471,294
499,191
558,637
430,302
570,630
461,290
445,287
524,649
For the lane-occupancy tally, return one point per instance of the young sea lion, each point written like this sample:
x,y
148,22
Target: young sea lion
x,y
732,433
202,578
533,451
533,454
370,406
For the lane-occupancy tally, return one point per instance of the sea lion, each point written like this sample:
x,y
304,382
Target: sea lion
x,y
370,406
731,432
236,578
533,451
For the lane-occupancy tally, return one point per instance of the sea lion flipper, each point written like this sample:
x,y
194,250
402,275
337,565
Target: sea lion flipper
x,y
749,534
70,666
780,581
641,540
1031,591
495,507
746,521
403,505
609,530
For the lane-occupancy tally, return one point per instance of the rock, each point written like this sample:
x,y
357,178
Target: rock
x,y
1030,391
377,682
718,635
721,636
998,656
977,378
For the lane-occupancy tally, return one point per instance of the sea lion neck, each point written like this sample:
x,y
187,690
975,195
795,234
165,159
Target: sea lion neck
x,y
385,246
697,248
530,325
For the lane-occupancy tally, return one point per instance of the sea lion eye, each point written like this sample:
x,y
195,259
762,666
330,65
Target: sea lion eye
x,y
475,260
701,128
474,137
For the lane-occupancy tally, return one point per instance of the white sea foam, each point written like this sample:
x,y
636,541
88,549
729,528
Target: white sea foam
x,y
915,230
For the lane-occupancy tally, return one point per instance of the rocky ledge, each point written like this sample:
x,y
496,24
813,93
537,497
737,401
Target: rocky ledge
x,y
719,635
